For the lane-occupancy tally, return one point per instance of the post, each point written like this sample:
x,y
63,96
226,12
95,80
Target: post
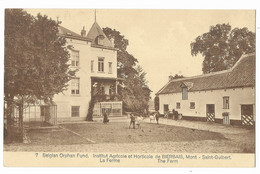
x,y
116,86
21,117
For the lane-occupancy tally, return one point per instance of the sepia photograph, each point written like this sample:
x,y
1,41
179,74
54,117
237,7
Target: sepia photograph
x,y
146,84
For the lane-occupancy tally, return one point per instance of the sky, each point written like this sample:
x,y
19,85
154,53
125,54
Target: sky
x,y
159,39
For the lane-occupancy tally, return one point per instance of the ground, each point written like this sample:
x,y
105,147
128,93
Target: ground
x,y
168,136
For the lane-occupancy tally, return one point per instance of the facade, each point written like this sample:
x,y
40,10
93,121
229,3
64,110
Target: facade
x,y
95,58
226,97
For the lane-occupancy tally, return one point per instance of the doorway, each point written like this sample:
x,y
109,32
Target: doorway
x,y
210,112
247,116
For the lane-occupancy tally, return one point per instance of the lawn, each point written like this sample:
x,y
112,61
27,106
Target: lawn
x,y
119,133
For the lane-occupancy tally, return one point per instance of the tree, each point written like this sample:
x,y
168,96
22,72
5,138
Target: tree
x,y
35,60
177,76
133,91
156,103
221,47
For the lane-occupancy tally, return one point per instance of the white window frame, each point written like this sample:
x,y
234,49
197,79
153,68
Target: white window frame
x,y
75,86
101,64
74,58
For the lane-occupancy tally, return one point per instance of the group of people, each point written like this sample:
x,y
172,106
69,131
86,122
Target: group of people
x,y
172,115
133,119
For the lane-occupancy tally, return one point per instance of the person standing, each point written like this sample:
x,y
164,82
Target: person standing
x,y
132,120
105,120
157,115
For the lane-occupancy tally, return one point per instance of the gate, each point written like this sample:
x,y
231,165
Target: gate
x,y
210,112
247,116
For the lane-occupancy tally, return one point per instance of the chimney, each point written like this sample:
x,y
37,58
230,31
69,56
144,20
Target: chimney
x,y
83,32
112,40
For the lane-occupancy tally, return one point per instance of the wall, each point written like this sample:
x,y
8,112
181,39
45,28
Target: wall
x,y
87,53
237,96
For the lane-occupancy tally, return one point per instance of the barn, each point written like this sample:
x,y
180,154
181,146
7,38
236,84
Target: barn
x,y
226,97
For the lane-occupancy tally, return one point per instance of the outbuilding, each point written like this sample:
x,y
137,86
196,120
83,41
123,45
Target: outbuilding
x,y
226,97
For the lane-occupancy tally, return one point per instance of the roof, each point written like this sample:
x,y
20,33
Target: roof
x,y
242,74
96,32
92,36
70,34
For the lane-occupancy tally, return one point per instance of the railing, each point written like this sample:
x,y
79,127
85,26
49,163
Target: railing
x,y
111,108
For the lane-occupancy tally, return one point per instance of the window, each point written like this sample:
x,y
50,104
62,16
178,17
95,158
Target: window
x,y
178,105
101,64
184,93
92,66
225,102
74,111
110,67
75,86
192,105
75,58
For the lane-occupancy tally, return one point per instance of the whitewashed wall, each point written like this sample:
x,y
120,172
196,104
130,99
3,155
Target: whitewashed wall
x,y
87,53
237,96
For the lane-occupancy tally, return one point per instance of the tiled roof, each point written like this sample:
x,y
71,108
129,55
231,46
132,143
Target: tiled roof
x,y
70,34
242,74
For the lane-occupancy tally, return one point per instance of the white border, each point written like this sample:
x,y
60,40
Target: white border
x,y
124,4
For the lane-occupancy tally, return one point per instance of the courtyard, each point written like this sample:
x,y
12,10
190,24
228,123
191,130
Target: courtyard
x,y
180,136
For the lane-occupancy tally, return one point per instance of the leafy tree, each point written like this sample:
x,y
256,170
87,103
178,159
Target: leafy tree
x,y
133,91
221,47
156,103
35,60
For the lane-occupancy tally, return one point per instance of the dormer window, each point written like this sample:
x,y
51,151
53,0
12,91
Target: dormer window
x,y
184,93
100,40
184,90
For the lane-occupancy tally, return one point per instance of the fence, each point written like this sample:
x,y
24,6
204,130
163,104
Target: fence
x,y
38,114
112,108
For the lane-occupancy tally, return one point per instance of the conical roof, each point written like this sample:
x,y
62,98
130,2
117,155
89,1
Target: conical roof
x,y
96,32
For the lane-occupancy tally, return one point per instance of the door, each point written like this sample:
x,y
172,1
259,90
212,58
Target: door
x,y
165,109
210,112
247,116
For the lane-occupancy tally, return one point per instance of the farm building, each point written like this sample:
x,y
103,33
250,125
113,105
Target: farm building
x,y
226,97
